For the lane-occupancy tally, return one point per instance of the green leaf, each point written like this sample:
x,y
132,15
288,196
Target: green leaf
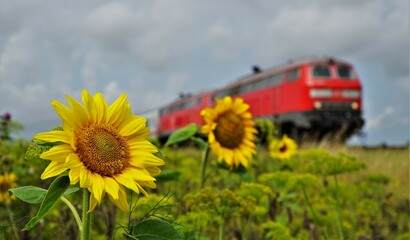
x,y
127,236
29,194
154,229
182,134
199,142
168,175
71,190
54,192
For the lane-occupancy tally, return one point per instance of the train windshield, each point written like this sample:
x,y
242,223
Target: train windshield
x,y
321,71
345,72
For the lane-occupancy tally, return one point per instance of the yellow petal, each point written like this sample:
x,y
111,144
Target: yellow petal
x,y
88,101
141,135
142,161
85,177
101,108
111,187
57,153
144,145
117,110
243,160
80,115
139,174
73,161
142,190
53,169
53,136
74,175
64,113
93,203
133,126
125,180
121,202
97,187
211,137
149,184
241,108
153,171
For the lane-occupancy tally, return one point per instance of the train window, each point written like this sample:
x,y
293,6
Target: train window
x,y
234,91
277,78
345,72
221,94
188,104
246,88
199,101
321,71
268,81
259,84
293,74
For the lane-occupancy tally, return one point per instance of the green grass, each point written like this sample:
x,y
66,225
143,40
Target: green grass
x,y
394,163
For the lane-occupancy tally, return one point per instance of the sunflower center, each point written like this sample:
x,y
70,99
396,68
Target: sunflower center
x,y
4,186
102,149
283,148
229,130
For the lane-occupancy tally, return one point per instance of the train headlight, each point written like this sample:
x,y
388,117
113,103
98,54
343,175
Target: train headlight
x,y
317,104
355,106
351,93
320,93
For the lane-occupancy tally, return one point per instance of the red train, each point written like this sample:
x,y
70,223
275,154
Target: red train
x,y
309,97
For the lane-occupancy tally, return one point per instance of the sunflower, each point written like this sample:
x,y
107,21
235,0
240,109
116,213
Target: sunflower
x,y
7,181
104,149
230,131
283,148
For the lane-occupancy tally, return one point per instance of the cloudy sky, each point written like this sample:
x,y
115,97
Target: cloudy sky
x,y
153,50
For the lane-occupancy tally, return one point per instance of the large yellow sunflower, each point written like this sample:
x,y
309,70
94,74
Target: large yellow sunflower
x,y
7,181
103,147
283,148
230,131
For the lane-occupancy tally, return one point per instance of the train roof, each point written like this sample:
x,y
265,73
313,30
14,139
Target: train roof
x,y
261,73
184,98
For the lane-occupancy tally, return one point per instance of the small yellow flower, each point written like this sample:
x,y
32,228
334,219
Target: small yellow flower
x,y
104,148
283,148
230,131
7,181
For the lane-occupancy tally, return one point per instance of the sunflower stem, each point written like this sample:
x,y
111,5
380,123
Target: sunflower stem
x,y
220,229
339,212
315,218
13,225
205,155
85,230
74,211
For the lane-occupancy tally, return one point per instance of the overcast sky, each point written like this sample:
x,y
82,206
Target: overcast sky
x,y
153,50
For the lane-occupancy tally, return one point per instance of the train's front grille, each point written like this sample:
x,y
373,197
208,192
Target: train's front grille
x,y
336,106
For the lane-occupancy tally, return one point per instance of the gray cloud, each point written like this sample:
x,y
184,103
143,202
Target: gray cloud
x,y
155,49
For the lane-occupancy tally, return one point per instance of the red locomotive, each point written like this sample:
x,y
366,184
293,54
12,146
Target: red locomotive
x,y
309,97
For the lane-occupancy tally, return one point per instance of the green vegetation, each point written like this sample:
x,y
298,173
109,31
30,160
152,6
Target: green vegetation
x,y
315,195
337,192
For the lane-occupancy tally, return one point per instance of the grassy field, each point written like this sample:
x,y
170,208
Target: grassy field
x,y
390,161
384,182
271,198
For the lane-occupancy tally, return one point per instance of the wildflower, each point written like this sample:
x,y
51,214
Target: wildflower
x,y
283,148
230,130
7,181
104,148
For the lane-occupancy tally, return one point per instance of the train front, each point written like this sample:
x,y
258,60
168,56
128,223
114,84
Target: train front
x,y
334,95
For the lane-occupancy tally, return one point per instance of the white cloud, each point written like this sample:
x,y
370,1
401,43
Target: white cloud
x,y
381,120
